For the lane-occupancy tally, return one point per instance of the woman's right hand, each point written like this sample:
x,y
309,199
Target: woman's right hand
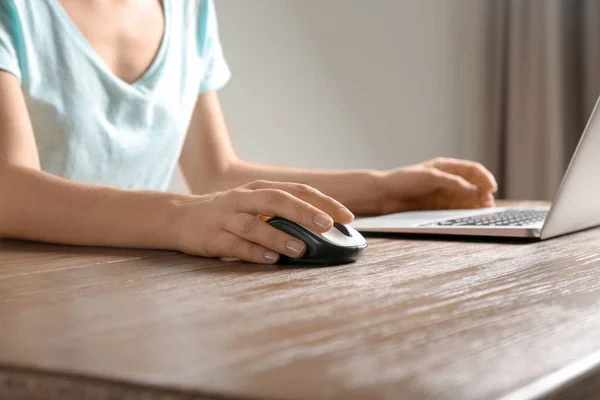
x,y
229,224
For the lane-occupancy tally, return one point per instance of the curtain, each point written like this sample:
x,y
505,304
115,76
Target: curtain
x,y
531,78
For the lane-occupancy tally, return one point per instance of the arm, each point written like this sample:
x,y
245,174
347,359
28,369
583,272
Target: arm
x,y
209,163
38,206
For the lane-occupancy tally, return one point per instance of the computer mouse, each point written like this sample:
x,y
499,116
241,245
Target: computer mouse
x,y
342,244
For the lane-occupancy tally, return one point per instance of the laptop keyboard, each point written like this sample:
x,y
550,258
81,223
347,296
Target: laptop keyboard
x,y
501,218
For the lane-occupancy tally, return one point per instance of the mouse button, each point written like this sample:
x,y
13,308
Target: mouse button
x,y
337,238
358,238
342,228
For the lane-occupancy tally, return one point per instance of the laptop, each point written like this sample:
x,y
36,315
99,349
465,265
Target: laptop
x,y
576,205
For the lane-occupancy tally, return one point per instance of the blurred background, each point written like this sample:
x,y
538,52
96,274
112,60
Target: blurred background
x,y
385,83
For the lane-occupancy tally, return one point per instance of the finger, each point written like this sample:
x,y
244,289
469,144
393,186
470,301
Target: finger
x,y
437,202
453,183
482,201
255,230
309,194
230,245
488,200
472,171
332,207
443,200
275,202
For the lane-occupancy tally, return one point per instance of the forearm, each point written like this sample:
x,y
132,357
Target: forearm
x,y
209,164
356,189
38,206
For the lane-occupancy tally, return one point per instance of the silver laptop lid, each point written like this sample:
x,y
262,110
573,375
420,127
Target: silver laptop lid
x,y
576,205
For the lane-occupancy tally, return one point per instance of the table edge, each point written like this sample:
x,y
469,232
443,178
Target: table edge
x,y
26,378
19,381
559,380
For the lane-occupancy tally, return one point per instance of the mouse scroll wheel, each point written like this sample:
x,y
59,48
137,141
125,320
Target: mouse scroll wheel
x,y
342,229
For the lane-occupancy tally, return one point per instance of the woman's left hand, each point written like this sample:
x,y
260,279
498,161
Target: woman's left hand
x,y
441,183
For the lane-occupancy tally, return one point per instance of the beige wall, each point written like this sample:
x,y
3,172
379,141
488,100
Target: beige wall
x,y
342,83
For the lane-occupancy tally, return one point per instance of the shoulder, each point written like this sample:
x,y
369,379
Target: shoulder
x,y
200,12
24,13
8,10
196,6
198,18
13,18
192,10
191,15
196,12
21,6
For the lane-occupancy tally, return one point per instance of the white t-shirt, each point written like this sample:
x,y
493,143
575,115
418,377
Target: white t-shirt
x,y
89,125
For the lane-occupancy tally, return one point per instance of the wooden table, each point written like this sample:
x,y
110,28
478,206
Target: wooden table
x,y
413,319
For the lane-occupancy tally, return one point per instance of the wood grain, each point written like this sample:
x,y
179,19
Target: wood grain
x,y
413,319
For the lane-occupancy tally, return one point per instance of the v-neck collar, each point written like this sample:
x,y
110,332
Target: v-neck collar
x,y
93,54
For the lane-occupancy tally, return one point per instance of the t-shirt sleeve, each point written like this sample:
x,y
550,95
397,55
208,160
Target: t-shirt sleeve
x,y
210,51
9,60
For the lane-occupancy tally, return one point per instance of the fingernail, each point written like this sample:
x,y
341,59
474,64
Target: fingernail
x,y
294,247
323,221
271,256
347,213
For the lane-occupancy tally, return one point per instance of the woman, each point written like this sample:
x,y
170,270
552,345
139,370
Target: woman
x,y
99,101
